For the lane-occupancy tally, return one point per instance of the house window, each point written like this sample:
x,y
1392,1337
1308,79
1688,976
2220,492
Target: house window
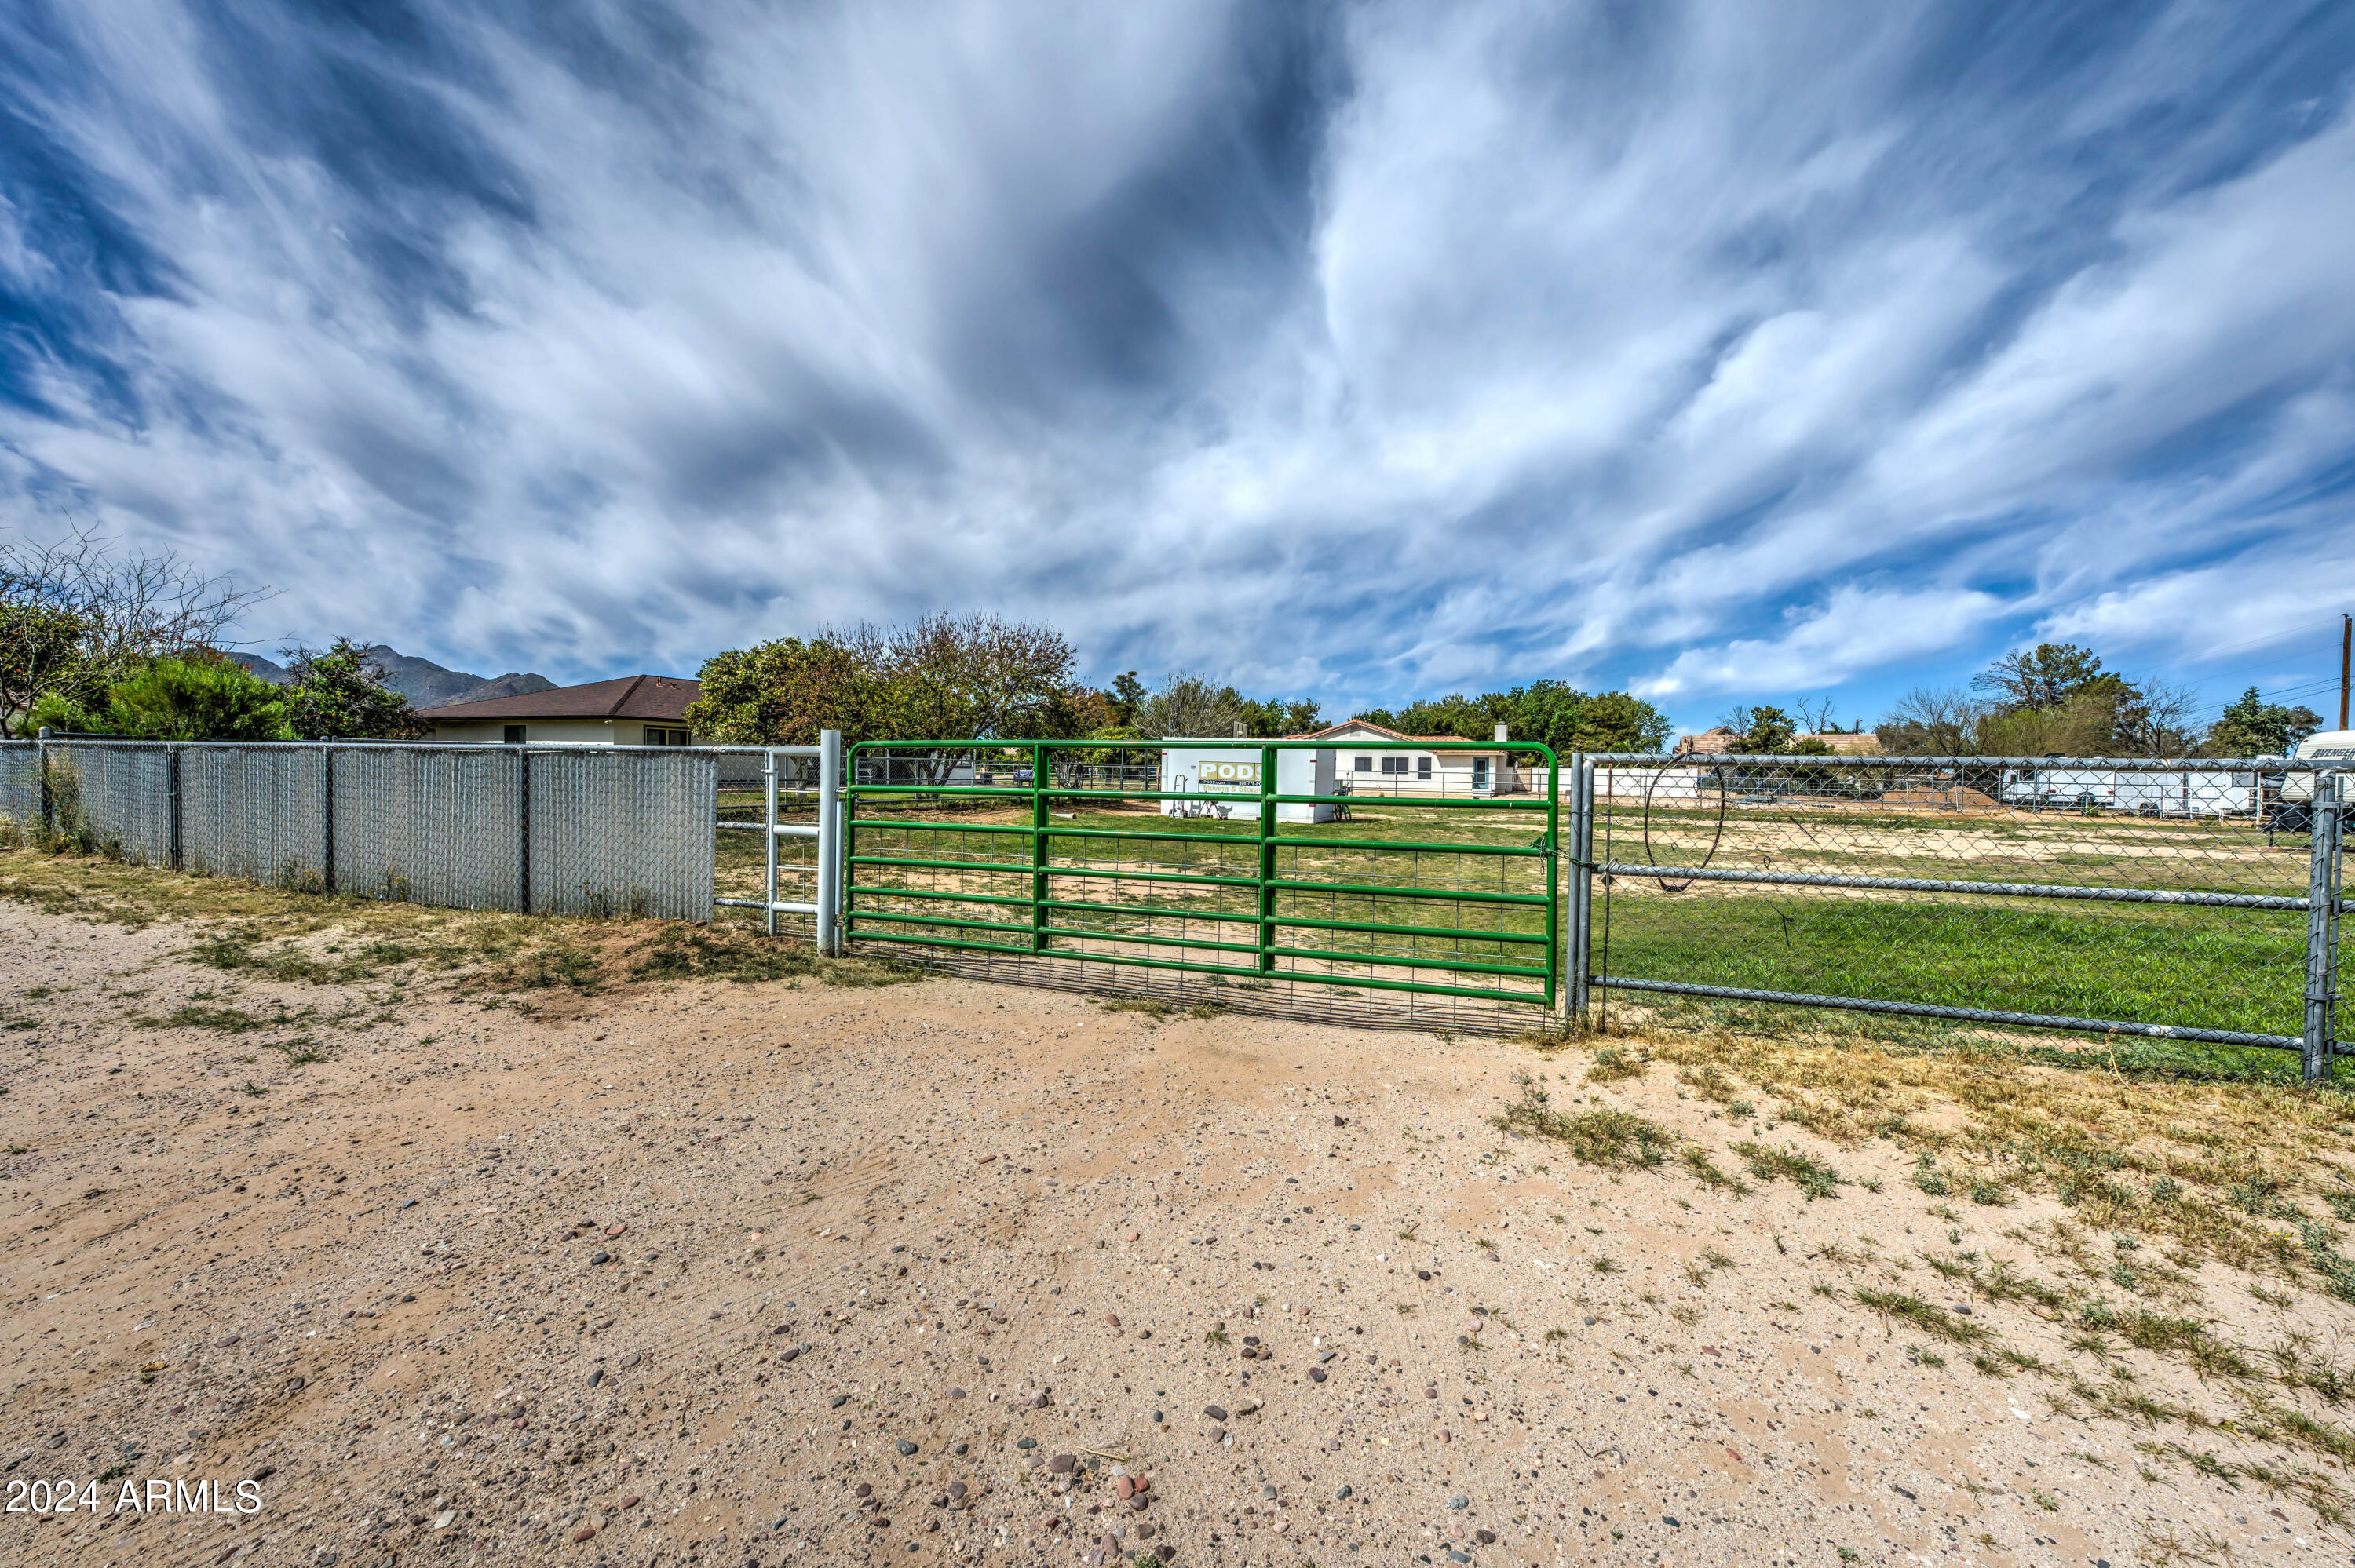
x,y
1422,768
512,735
1394,765
664,736
1479,773
1365,765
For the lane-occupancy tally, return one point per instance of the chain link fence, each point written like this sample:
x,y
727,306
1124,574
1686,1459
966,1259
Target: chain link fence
x,y
2192,901
20,784
253,812
547,829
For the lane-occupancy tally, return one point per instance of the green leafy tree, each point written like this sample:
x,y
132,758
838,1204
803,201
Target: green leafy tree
x,y
1617,721
41,655
783,693
1127,697
81,615
340,696
958,677
1547,711
2251,726
1762,731
201,697
1189,704
2044,677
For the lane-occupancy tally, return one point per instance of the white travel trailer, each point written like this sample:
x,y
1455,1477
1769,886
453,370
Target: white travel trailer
x,y
2293,805
1197,766
2169,792
2330,746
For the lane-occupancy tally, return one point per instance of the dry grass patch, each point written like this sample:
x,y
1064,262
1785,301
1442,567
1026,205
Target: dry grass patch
x,y
2241,1173
339,939
1615,1140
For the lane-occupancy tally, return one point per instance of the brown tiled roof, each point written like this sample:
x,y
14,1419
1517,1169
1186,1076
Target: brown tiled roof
x,y
663,698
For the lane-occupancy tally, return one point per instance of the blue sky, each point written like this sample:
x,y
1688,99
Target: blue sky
x,y
1733,352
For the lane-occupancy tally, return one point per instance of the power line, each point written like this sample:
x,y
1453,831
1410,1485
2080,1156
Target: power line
x,y
2260,642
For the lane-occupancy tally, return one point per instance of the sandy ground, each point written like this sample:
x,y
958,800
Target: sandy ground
x,y
763,1274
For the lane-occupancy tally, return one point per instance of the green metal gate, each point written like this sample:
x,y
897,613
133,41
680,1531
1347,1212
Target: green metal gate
x,y
1037,857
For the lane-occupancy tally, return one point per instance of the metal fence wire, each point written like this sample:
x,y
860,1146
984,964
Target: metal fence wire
x,y
20,783
2196,901
256,812
121,794
431,824
623,832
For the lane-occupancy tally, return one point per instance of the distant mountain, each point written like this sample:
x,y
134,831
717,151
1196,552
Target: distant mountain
x,y
426,684
275,673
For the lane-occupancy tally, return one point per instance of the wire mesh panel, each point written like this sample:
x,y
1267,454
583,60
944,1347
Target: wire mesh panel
x,y
1228,873
622,832
119,792
2138,897
438,826
20,783
256,812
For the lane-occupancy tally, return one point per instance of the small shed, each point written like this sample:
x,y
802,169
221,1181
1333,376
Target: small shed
x,y
1190,766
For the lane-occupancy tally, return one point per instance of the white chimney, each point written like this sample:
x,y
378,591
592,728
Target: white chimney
x,y
1504,733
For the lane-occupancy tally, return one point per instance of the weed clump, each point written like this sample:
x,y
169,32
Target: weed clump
x,y
1925,1316
1814,1178
1615,1140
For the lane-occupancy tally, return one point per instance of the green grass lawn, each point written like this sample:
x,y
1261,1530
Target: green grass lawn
x,y
2210,968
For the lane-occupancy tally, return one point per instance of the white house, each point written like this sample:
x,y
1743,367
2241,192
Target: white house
x,y
1372,760
1198,767
634,710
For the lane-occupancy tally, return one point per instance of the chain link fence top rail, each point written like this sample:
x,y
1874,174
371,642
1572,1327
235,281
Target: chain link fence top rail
x,y
1222,871
256,812
2154,898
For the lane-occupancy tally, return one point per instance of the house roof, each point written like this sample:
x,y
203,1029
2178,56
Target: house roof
x,y
1332,731
1724,742
662,698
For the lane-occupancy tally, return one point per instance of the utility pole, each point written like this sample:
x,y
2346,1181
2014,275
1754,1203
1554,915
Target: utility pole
x,y
2346,662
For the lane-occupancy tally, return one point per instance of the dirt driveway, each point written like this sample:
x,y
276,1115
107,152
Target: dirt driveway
x,y
790,1271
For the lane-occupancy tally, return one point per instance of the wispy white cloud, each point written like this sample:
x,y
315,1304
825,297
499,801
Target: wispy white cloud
x,y
1355,353
1855,629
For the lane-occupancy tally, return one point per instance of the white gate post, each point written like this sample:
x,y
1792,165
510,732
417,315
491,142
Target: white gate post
x,y
830,819
769,837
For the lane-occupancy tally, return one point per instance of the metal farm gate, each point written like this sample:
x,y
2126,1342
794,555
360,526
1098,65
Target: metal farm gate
x,y
2183,900
1246,880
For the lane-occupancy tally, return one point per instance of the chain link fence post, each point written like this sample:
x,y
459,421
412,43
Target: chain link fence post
x,y
2322,892
1582,885
830,813
172,787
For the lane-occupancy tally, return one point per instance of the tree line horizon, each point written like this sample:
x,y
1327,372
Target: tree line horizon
x,y
97,639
